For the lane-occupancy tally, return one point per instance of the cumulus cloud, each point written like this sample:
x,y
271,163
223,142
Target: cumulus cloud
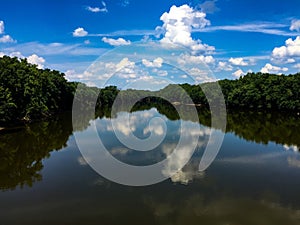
x,y
12,54
268,68
177,28
200,76
1,27
97,9
288,52
295,25
80,32
156,62
224,66
238,73
191,59
126,69
36,60
116,42
238,62
6,39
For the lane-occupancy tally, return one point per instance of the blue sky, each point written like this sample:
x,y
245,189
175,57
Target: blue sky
x,y
231,36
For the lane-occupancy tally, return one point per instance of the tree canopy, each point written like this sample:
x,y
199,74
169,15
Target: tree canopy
x,y
27,92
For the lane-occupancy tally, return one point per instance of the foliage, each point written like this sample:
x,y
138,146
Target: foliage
x,y
263,91
27,92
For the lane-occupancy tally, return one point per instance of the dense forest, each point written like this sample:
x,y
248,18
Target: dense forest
x,y
28,93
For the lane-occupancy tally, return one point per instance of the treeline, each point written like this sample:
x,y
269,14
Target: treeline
x,y
253,91
263,91
28,93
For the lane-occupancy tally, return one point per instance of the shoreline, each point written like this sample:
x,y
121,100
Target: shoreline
x,y
180,103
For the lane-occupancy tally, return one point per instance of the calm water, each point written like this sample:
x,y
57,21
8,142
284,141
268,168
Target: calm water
x,y
255,178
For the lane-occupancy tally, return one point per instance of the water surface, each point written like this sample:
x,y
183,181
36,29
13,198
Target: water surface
x,y
255,178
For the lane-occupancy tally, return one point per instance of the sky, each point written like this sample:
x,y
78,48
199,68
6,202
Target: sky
x,y
217,39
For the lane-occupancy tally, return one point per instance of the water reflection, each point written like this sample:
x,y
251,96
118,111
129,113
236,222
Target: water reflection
x,y
260,127
22,152
158,146
197,209
250,182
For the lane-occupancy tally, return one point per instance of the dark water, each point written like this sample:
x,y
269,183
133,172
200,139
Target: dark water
x,y
255,178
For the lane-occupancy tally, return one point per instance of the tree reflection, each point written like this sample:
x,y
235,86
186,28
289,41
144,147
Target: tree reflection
x,y
258,126
22,152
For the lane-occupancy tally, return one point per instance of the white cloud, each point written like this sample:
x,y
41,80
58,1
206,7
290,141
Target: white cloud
x,y
54,49
124,63
6,39
93,9
238,73
238,62
255,27
200,76
97,9
72,75
12,54
156,62
297,66
295,25
290,50
125,69
80,32
16,54
1,27
224,66
36,60
116,42
190,59
162,73
268,68
178,25
146,82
